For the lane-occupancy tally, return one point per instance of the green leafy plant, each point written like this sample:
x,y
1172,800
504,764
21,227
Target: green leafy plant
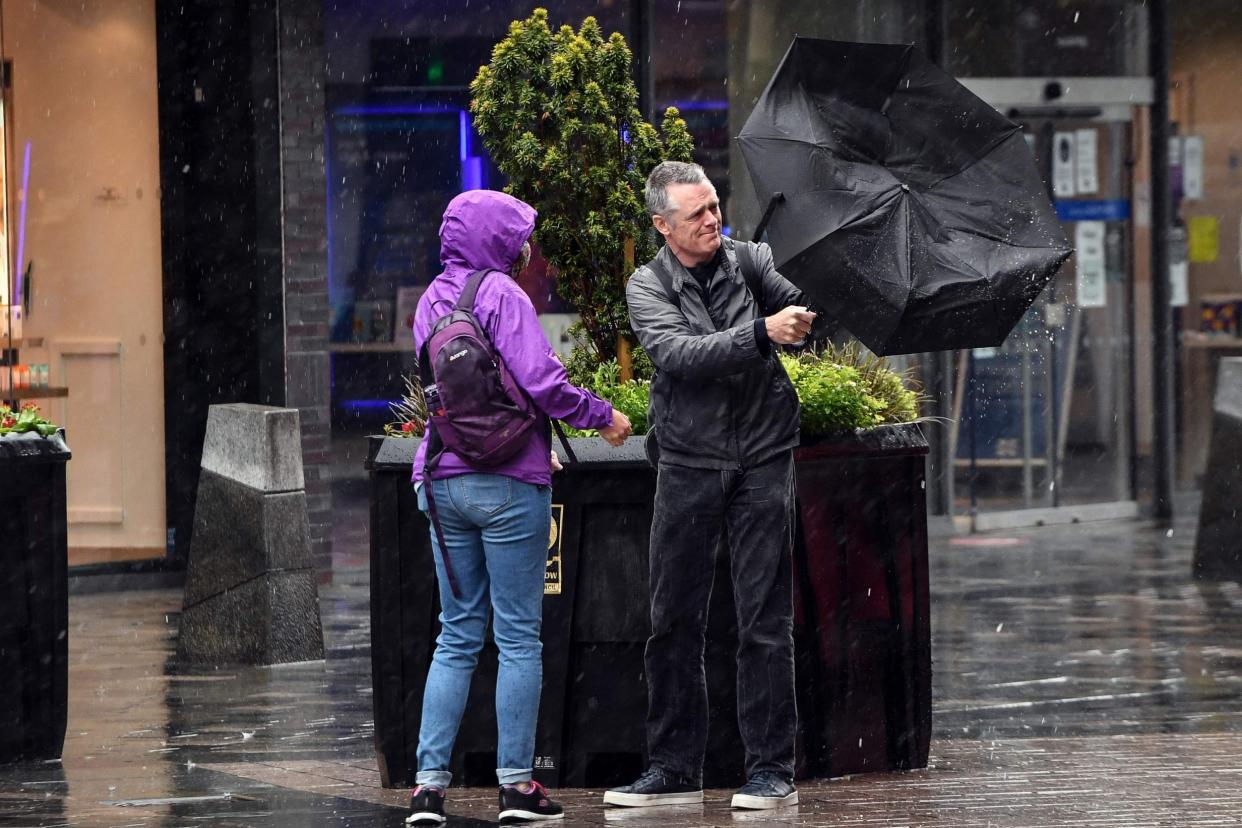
x,y
898,393
841,389
26,420
558,113
844,388
410,412
630,398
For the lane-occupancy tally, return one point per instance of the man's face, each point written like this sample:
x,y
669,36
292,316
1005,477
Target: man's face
x,y
692,227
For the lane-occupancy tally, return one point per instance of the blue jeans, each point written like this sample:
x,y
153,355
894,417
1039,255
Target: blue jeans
x,y
496,529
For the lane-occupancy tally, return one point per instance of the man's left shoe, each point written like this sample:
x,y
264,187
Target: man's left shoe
x,y
516,806
766,790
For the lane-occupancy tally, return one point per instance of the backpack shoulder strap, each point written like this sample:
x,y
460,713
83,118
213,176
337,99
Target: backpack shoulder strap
x,y
471,290
750,272
666,281
425,375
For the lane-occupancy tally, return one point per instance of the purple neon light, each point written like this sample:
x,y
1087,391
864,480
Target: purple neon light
x,y
328,222
21,224
700,106
403,109
471,165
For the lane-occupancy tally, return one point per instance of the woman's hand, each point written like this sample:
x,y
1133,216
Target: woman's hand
x,y
556,462
616,433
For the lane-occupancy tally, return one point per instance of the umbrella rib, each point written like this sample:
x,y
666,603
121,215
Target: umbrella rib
x,y
780,138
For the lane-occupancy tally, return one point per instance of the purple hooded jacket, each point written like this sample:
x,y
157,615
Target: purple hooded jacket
x,y
485,229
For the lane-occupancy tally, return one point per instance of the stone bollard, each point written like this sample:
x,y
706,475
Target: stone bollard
x,y
1218,545
250,592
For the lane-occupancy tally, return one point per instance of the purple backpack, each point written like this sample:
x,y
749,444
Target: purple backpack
x,y
475,407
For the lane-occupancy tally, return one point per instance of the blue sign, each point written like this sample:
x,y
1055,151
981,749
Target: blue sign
x,y
1109,210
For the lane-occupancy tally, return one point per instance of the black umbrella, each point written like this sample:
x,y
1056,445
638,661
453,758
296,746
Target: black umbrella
x,y
907,207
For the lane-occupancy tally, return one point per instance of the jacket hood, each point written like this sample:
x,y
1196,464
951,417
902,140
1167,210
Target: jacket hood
x,y
484,230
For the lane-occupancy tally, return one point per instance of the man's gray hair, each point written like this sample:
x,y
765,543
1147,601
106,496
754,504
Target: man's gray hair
x,y
665,174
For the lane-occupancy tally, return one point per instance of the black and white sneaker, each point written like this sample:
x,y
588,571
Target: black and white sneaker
x,y
535,804
656,787
426,806
766,790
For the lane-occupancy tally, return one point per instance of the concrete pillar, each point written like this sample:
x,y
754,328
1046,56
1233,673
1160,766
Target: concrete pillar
x,y
250,593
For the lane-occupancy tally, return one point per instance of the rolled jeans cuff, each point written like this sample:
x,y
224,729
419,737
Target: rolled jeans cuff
x,y
512,776
434,778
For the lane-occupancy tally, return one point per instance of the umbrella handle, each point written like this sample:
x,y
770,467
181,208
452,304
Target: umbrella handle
x,y
777,198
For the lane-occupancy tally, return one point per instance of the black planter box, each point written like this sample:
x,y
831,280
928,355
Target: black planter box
x,y
34,603
861,619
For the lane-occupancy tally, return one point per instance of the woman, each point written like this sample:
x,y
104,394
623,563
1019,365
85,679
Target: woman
x,y
495,522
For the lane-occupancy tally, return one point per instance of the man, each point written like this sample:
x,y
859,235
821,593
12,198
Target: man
x,y
726,417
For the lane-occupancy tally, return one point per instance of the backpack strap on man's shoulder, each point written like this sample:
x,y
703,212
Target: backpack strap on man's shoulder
x,y
750,272
473,282
666,281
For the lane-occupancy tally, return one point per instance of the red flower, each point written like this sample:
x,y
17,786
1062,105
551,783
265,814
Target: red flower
x,y
8,422
407,427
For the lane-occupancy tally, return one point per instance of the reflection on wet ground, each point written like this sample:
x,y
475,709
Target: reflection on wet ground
x,y
1081,678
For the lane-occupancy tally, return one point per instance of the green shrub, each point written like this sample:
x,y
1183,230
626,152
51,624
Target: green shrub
x,y
840,390
630,398
845,388
833,397
898,393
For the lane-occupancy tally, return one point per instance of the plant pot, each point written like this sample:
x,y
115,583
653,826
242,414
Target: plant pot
x,y
861,619
34,620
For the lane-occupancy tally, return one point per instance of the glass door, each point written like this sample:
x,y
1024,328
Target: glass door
x,y
1046,420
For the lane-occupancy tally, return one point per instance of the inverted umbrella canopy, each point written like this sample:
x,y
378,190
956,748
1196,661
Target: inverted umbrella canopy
x,y
912,211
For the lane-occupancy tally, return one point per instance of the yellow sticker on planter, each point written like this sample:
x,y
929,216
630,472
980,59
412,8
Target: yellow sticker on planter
x,y
552,576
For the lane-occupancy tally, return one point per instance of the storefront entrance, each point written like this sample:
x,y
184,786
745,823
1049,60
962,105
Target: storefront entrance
x,y
83,240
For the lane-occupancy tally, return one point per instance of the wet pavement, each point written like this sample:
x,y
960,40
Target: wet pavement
x,y
1081,678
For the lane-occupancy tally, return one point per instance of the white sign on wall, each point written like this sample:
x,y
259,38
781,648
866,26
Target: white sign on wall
x,y
1089,244
1175,151
1179,287
1192,166
1063,164
1086,161
1179,267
